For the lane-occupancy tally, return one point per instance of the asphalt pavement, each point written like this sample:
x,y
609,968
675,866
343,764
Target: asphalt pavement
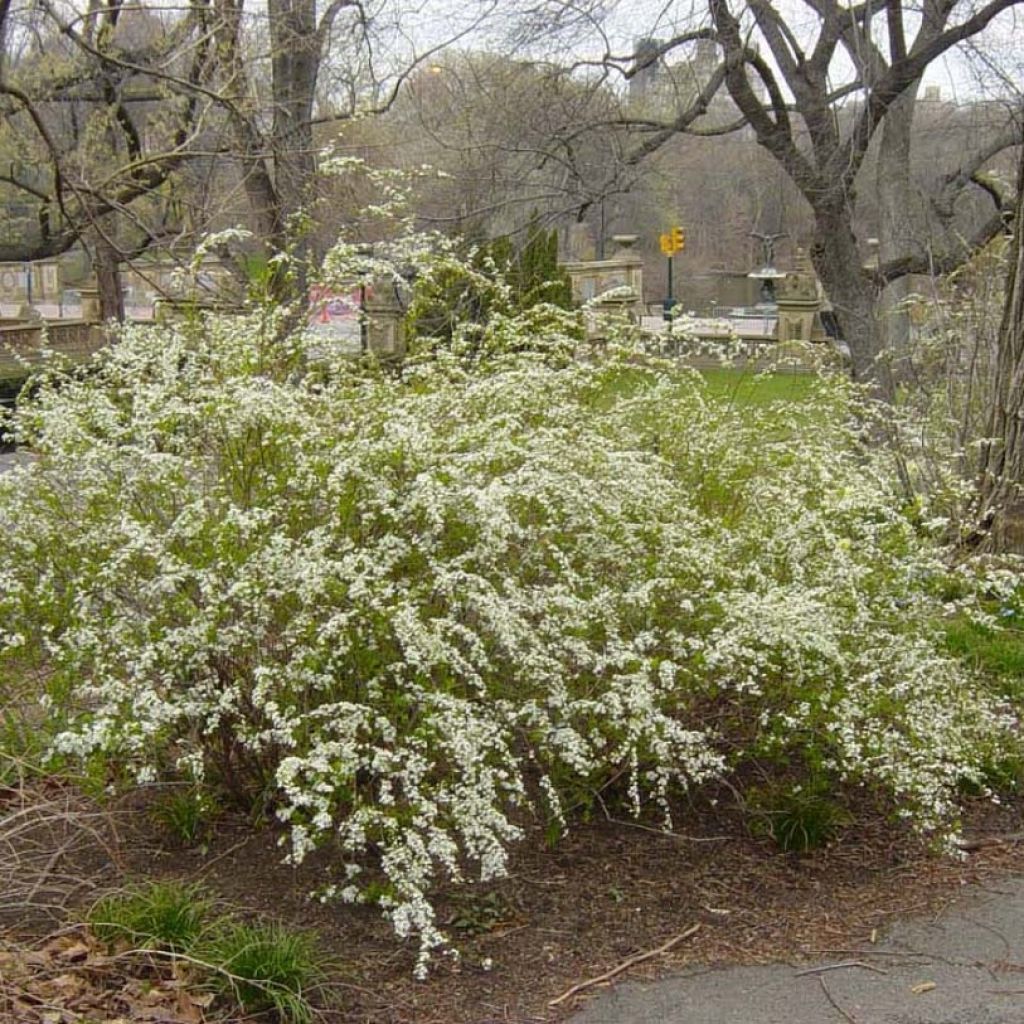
x,y
8,460
965,966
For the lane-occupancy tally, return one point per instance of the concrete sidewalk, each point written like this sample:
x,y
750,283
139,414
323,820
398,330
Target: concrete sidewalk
x,y
8,460
964,967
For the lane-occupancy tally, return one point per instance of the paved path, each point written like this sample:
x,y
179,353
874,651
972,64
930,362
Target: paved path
x,y
8,460
972,955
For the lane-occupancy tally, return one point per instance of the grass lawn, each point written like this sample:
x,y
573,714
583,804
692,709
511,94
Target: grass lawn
x,y
746,388
997,652
735,386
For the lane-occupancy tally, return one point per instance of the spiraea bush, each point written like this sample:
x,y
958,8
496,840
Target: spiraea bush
x,y
406,613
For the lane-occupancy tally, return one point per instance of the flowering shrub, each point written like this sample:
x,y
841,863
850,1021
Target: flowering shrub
x,y
406,613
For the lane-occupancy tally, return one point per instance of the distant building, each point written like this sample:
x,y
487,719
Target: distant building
x,y
668,83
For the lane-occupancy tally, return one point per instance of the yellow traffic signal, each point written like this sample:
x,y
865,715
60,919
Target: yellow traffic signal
x,y
672,241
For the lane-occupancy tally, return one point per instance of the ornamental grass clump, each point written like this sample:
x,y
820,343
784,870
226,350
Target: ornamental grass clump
x,y
160,915
263,966
404,614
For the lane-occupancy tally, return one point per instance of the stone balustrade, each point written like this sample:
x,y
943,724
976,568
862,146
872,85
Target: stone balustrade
x,y
22,344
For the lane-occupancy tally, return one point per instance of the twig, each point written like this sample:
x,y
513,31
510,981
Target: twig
x,y
220,856
669,833
992,931
835,1005
657,831
632,961
983,841
500,933
836,967
47,870
869,952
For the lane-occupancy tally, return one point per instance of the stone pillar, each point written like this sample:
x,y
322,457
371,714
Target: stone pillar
x,y
90,304
632,265
385,322
614,286
799,297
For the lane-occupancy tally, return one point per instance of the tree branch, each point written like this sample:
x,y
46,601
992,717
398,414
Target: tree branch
x,y
957,180
775,135
941,263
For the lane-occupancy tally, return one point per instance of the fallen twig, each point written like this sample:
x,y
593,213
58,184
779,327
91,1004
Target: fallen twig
x,y
220,856
43,875
835,1005
657,831
668,833
868,952
983,841
839,966
632,961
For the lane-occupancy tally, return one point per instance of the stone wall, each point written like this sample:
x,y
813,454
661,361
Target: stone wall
x,y
46,281
21,345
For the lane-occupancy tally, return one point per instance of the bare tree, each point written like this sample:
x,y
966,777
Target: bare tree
x,y
327,66
113,132
818,86
1001,487
887,61
98,138
513,138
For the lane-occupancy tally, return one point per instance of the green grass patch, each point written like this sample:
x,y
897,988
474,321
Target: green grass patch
x,y
734,386
23,748
997,652
258,965
184,815
264,967
159,915
745,388
798,818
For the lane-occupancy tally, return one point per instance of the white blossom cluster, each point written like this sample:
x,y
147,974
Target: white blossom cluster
x,y
408,613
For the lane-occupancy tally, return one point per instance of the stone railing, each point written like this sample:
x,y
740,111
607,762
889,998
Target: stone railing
x,y
22,344
611,290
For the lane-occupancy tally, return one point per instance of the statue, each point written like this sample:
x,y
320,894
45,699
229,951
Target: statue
x,y
768,245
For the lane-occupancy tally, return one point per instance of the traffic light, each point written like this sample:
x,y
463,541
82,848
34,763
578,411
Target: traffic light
x,y
672,241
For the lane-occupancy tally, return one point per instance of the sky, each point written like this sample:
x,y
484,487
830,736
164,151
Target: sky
x,y
993,65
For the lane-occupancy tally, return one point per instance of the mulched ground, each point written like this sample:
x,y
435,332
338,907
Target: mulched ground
x,y
69,978
606,892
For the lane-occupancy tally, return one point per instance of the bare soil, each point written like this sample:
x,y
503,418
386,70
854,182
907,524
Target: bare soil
x,y
606,892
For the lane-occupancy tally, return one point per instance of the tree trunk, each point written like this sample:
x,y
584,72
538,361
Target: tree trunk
x,y
295,65
852,294
107,267
264,205
902,224
1001,488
